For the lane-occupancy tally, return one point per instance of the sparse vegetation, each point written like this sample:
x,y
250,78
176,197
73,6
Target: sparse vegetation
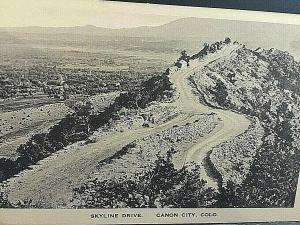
x,y
220,93
79,125
270,94
163,186
265,87
4,203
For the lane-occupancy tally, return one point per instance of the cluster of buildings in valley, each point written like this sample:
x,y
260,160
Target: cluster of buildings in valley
x,y
60,83
23,87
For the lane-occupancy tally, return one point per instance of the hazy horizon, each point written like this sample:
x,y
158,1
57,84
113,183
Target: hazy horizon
x,y
115,15
256,29
66,13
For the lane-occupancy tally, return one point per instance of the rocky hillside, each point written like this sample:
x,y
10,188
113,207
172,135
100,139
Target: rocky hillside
x,y
78,125
140,156
264,85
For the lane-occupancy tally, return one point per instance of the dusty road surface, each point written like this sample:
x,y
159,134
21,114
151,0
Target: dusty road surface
x,y
232,124
53,179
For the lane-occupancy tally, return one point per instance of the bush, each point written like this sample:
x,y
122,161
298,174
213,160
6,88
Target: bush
x,y
4,203
162,186
227,40
221,93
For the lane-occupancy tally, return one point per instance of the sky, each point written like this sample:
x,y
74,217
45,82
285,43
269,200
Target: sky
x,y
62,13
57,13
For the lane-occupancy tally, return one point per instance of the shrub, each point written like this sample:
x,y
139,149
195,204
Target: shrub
x,y
221,93
227,40
4,203
162,186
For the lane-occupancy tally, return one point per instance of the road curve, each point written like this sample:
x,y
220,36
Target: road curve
x,y
232,124
54,178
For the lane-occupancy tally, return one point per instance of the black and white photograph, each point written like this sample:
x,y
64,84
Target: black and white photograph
x,y
105,106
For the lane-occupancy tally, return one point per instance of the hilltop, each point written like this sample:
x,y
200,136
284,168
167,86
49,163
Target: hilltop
x,y
261,166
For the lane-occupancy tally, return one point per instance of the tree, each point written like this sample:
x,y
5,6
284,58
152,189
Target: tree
x,y
227,40
4,203
228,197
183,56
221,93
83,110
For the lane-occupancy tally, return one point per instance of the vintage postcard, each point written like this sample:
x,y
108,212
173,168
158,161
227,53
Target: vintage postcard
x,y
130,113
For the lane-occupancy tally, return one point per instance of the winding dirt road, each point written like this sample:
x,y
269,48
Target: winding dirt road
x,y
53,179
232,124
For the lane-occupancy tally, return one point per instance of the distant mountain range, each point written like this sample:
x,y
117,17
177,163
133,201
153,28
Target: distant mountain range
x,y
267,35
186,27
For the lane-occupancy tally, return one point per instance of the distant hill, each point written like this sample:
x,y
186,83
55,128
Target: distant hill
x,y
253,34
88,29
